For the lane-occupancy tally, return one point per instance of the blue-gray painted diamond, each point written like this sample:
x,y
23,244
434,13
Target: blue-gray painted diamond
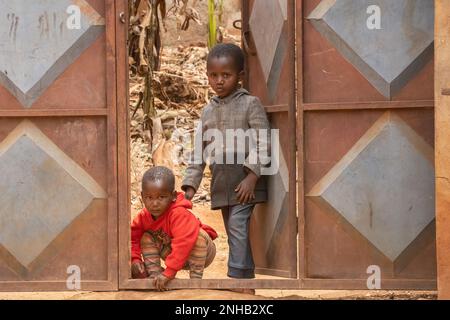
x,y
38,199
384,186
268,23
390,56
36,44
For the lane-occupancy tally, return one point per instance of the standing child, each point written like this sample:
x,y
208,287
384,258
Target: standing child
x,y
235,187
166,229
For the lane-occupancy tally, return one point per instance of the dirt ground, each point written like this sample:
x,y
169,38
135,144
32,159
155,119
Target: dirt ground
x,y
224,295
218,269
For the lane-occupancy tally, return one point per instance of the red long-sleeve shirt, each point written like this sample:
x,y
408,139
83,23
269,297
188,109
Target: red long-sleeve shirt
x,y
179,224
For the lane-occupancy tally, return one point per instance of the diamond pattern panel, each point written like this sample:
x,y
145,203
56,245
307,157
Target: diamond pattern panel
x,y
384,186
268,23
43,191
390,56
278,188
37,45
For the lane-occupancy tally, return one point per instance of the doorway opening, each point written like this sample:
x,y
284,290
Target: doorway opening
x,y
162,135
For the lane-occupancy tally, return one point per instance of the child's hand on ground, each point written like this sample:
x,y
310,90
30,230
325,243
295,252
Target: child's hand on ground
x,y
161,281
246,189
189,193
138,270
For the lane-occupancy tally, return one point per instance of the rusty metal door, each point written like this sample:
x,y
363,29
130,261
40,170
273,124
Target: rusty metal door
x,y
58,159
365,107
269,33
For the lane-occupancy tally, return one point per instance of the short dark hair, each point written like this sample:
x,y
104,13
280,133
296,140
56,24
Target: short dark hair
x,y
159,174
229,50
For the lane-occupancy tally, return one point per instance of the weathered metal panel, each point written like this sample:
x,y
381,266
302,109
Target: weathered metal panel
x,y
271,77
57,139
443,146
368,161
332,73
390,71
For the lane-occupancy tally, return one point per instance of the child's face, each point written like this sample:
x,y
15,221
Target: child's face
x,y
223,76
157,197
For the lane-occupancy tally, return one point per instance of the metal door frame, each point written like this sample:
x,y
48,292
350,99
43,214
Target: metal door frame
x,y
442,152
295,25
125,281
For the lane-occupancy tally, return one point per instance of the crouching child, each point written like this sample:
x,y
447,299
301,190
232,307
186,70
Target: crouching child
x,y
166,229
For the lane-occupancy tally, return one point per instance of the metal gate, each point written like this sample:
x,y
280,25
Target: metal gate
x,y
58,155
349,85
365,106
358,94
269,41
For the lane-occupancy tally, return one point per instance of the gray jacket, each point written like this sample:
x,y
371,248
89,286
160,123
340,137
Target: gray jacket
x,y
240,110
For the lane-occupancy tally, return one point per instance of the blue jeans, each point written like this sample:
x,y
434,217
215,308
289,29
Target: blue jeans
x,y
240,259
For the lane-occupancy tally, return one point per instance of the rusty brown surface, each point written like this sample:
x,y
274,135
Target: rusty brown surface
x,y
83,83
280,257
88,151
335,248
123,152
442,45
89,139
72,247
331,248
329,77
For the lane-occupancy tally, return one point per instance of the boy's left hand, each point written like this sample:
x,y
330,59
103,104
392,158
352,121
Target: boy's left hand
x,y
161,281
246,189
